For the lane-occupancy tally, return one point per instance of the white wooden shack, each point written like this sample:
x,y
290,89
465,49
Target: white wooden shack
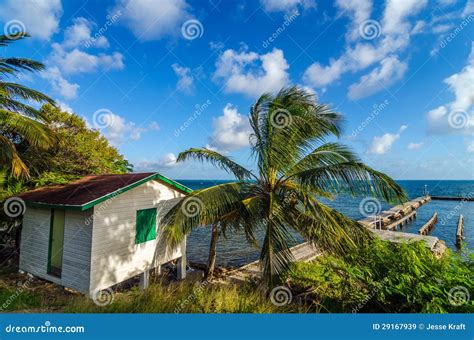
x,y
99,231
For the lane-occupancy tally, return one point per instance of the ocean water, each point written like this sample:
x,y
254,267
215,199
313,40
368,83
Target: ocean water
x,y
235,251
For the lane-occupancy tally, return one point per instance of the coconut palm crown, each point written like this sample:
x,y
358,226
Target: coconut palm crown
x,y
296,167
19,121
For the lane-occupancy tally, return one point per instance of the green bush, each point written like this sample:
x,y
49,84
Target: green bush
x,y
387,277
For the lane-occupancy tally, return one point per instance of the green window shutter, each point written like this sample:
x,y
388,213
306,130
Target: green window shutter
x,y
146,225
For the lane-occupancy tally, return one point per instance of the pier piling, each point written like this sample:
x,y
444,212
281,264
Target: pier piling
x,y
460,231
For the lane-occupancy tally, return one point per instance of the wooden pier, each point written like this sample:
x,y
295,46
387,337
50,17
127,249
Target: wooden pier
x,y
395,217
460,231
428,226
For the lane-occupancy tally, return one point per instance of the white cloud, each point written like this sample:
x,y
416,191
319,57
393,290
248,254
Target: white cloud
x,y
393,38
64,106
456,116
167,161
389,71
185,78
468,9
470,147
231,131
251,73
118,130
358,11
381,145
79,35
415,146
396,14
77,61
40,17
286,5
59,84
149,20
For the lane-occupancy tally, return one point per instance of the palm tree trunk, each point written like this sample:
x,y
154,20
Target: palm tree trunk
x,y
211,261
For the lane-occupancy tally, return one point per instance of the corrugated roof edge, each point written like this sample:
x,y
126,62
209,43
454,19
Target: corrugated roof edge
x,y
86,206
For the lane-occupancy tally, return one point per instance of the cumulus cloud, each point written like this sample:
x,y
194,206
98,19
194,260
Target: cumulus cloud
x,y
167,161
470,147
78,61
185,78
59,83
40,18
251,73
390,70
415,146
149,20
231,131
457,115
79,34
392,37
118,130
286,5
358,11
382,144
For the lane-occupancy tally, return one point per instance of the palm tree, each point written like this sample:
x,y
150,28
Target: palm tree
x,y
19,121
295,168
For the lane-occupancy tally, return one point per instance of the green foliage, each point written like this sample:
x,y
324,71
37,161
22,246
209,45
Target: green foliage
x,y
386,277
295,166
19,122
13,300
79,151
185,297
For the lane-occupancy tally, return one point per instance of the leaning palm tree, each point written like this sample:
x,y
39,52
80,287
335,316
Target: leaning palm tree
x,y
19,121
296,167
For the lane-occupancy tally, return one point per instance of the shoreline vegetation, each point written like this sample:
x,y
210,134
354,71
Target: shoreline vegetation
x,y
382,278
295,167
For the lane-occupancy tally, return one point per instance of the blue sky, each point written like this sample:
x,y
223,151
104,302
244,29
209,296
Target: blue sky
x,y
158,77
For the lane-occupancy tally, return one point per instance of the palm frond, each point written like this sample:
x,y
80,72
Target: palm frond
x,y
217,160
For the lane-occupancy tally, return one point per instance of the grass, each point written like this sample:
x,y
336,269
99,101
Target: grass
x,y
384,278
186,298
